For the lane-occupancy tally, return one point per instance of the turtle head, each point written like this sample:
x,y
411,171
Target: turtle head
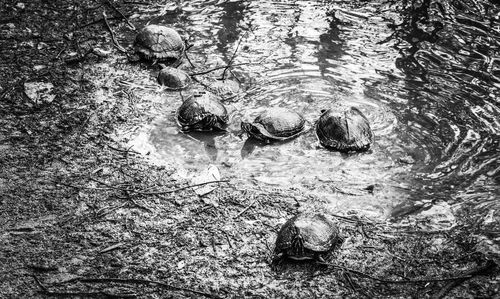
x,y
297,242
245,128
213,122
277,259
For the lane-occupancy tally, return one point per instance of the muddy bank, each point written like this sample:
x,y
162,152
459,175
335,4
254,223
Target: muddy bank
x,y
82,215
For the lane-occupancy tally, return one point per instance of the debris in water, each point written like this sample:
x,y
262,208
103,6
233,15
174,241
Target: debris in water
x,y
211,174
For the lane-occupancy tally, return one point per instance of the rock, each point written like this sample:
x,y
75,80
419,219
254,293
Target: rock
x,y
39,92
208,175
39,67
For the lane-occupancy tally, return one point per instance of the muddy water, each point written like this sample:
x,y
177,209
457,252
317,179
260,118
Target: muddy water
x,y
426,76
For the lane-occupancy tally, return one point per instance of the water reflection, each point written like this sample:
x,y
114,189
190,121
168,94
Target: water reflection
x,y
233,13
330,43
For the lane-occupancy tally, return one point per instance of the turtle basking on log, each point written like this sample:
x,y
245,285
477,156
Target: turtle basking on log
x,y
344,131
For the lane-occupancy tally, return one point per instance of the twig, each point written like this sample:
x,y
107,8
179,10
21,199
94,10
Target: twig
x,y
489,266
220,68
44,288
432,279
136,2
180,189
341,191
8,90
228,240
139,205
81,187
245,209
112,247
110,187
128,150
107,185
97,21
188,46
121,14
113,36
46,291
106,210
346,218
232,58
146,281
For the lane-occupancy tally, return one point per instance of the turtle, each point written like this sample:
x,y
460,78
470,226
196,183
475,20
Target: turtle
x,y
226,89
345,130
202,112
306,236
173,78
159,43
275,124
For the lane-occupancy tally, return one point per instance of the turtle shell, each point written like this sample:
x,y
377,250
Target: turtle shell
x,y
173,78
226,89
275,124
306,236
202,112
344,131
156,42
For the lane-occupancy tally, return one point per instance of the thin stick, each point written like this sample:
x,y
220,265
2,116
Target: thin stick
x,y
146,281
81,187
129,150
394,281
96,22
245,209
489,266
121,14
109,187
113,36
180,189
220,68
232,58
136,2
44,288
186,54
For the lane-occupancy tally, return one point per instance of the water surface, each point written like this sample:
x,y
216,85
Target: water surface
x,y
425,75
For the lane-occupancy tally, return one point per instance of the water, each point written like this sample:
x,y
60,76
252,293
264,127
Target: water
x,y
426,76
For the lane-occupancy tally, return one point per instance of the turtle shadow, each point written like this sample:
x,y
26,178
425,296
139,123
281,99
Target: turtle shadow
x,y
207,138
287,267
345,154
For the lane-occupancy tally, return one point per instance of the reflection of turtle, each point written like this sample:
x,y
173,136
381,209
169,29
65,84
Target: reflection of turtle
x,y
159,43
275,124
306,237
344,131
202,112
173,78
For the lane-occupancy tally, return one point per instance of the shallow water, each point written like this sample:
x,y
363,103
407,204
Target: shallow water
x,y
426,76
